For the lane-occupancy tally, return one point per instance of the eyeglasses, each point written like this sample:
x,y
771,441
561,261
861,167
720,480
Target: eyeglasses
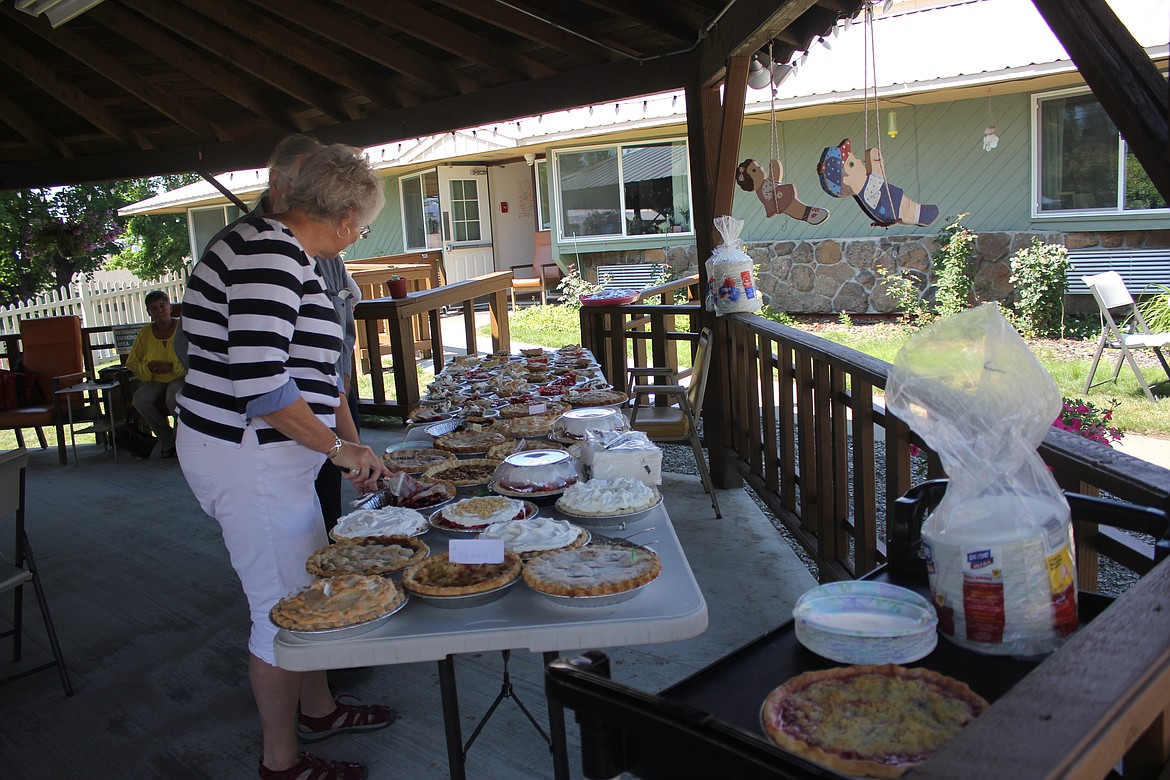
x,y
363,232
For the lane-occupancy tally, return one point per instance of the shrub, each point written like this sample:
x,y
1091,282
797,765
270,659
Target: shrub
x,y
952,268
775,315
901,287
573,286
1156,310
1039,275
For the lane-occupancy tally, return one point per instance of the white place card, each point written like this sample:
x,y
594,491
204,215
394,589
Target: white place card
x,y
538,408
476,550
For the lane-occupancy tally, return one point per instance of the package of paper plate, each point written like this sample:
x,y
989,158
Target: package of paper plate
x,y
999,544
730,285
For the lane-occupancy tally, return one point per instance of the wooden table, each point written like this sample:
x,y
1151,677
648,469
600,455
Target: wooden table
x,y
374,282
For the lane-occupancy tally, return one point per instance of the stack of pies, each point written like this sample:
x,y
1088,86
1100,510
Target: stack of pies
x,y
416,461
464,473
877,721
337,602
367,555
438,576
596,570
470,442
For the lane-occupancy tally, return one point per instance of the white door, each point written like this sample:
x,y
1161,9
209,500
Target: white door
x,y
467,223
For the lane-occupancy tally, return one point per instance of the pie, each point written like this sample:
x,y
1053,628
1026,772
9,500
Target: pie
x,y
476,514
403,490
597,397
541,407
367,555
469,442
877,720
415,461
433,413
596,570
337,602
537,425
501,451
438,576
464,473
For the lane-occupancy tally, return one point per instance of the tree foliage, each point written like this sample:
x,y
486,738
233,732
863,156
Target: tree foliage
x,y
47,236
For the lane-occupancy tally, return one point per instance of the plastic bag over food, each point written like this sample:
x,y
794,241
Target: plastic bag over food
x,y
730,284
999,545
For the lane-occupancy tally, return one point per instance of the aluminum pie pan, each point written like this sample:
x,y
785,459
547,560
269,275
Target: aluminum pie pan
x,y
343,632
467,601
530,510
610,521
606,600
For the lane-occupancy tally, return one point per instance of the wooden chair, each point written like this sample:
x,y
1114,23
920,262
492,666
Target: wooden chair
x,y
542,269
1114,299
50,349
15,574
677,423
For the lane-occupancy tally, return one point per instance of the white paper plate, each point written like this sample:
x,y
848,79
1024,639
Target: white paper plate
x,y
864,622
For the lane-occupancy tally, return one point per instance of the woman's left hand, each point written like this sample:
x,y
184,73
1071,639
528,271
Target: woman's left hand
x,y
363,466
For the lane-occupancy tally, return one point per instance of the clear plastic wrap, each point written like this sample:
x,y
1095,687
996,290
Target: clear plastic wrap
x,y
999,544
731,287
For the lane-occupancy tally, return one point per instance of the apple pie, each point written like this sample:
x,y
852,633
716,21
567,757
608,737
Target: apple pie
x,y
337,602
367,555
520,427
595,570
469,442
541,407
438,576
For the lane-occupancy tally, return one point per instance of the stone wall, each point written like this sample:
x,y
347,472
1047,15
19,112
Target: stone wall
x,y
835,275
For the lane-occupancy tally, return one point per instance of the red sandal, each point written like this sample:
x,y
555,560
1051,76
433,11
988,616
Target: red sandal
x,y
311,767
347,718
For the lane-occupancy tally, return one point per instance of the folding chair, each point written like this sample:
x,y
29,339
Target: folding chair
x,y
22,569
675,423
1112,296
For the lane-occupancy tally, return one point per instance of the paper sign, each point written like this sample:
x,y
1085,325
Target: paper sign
x,y
476,550
538,408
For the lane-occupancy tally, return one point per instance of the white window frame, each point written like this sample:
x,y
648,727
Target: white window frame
x,y
554,187
1118,210
543,208
402,209
228,218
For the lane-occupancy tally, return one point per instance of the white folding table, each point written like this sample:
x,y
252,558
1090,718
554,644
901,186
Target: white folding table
x,y
668,609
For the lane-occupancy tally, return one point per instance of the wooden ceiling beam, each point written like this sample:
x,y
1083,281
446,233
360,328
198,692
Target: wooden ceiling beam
x,y
245,55
655,15
747,26
183,58
306,52
15,117
30,67
530,28
120,74
1123,78
550,22
370,44
439,32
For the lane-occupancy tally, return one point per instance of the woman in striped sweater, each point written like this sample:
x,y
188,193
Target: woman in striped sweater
x,y
257,417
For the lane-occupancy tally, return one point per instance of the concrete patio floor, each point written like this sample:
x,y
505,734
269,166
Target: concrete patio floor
x,y
153,626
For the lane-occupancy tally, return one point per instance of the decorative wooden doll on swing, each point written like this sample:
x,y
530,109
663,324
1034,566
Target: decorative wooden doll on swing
x,y
777,198
843,174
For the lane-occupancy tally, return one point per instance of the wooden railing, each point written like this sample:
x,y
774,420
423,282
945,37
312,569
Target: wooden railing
x,y
397,313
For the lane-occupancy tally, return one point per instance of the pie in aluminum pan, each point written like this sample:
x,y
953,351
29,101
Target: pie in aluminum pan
x,y
464,473
596,570
553,408
416,461
873,720
438,576
367,555
536,425
335,602
597,397
469,442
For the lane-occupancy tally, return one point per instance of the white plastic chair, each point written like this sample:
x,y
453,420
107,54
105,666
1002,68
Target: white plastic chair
x,y
1113,298
15,574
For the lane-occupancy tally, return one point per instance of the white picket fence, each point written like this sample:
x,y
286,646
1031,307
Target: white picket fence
x,y
98,303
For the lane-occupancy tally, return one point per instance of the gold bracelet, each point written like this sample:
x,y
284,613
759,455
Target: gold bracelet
x,y
333,451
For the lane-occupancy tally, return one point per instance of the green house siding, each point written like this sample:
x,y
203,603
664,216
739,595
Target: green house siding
x,y
385,231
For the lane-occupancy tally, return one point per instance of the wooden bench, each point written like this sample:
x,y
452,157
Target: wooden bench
x,y
634,276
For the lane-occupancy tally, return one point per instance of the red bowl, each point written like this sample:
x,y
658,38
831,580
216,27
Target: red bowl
x,y
609,298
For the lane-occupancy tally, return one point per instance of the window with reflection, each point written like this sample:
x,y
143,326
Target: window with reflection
x,y
420,211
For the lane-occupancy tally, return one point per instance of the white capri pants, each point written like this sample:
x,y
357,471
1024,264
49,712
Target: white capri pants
x,y
268,511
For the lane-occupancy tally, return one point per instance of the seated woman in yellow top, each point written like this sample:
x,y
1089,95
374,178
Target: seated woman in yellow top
x,y
153,361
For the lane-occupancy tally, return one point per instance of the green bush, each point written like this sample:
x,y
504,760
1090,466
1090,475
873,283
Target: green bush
x,y
1039,273
901,287
1156,310
952,268
775,315
573,286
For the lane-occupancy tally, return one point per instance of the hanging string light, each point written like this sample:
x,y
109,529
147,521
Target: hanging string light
x,y
990,131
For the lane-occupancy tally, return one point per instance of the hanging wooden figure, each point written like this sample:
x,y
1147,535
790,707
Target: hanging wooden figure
x,y
777,198
843,174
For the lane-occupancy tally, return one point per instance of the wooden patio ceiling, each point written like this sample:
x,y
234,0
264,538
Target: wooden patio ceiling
x,y
143,87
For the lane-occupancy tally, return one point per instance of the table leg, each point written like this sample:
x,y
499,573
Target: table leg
x,y
451,724
556,729
113,438
72,435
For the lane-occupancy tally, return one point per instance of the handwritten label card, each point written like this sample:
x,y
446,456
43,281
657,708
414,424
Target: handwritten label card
x,y
538,408
476,550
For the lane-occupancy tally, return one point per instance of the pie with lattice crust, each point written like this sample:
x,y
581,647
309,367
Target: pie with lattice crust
x,y
336,602
596,570
469,442
367,555
438,576
877,720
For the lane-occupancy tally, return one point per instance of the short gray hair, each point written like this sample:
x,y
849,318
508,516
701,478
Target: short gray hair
x,y
335,182
292,150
